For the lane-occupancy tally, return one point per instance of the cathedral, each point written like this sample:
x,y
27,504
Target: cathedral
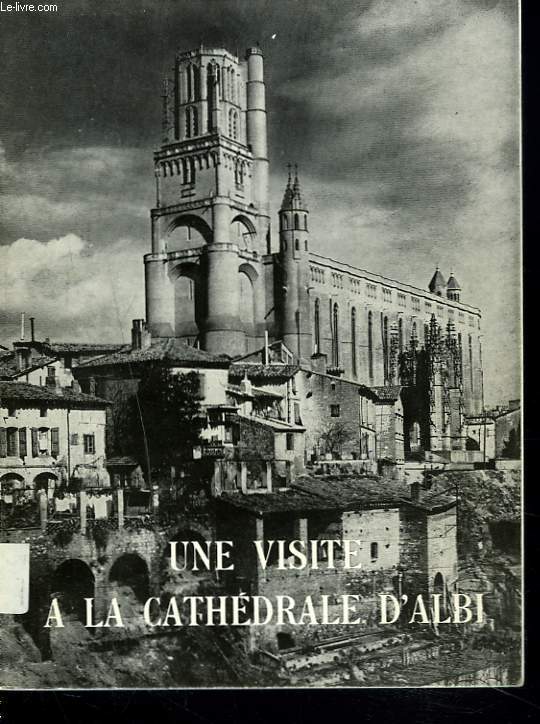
x,y
218,278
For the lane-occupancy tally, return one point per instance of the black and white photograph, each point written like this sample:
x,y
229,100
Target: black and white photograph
x,y
260,344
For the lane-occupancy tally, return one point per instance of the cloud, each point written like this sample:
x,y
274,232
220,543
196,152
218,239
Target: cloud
x,y
74,290
402,116
97,192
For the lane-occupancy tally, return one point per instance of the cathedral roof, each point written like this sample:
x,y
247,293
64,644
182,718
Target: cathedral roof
x,y
437,281
453,283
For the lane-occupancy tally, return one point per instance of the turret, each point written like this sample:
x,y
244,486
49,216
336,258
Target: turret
x,y
294,263
453,290
437,284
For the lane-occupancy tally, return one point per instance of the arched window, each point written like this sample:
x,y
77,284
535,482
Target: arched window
x,y
317,327
400,335
194,122
296,221
370,344
188,171
353,343
374,550
285,222
305,222
335,335
296,245
384,321
305,244
232,124
188,122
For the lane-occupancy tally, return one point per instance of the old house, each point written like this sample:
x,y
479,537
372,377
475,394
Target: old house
x,y
49,438
404,538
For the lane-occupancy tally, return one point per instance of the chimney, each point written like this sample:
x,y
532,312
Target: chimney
x,y
415,492
245,385
22,326
140,335
23,357
32,329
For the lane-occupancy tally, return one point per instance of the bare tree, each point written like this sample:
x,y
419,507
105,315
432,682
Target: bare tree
x,y
333,435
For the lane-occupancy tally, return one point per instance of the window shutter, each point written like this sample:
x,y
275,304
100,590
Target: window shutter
x,y
35,449
55,441
23,447
3,442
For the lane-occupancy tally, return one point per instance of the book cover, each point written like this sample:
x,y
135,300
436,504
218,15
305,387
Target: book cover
x,y
260,362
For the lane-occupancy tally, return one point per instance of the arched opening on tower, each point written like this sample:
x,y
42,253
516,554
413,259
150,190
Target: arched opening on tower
x,y
247,300
189,301
188,232
243,233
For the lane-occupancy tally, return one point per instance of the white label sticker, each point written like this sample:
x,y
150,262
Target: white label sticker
x,y
14,577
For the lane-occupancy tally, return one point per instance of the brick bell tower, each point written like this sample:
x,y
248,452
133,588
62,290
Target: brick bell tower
x,y
295,326
210,226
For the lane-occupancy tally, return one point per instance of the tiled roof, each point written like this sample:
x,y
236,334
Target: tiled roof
x,y
10,370
262,372
337,492
58,397
73,347
164,349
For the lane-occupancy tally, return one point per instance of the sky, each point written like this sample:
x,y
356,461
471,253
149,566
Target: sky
x,y
403,117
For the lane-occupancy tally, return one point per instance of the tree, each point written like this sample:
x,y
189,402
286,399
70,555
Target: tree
x,y
333,435
165,418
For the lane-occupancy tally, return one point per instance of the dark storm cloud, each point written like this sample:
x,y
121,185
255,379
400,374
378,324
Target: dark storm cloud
x,y
401,114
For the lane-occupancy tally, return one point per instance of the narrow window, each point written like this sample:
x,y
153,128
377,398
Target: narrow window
x,y
23,445
305,222
296,245
385,347
370,344
400,335
188,122
471,370
296,221
335,335
414,333
89,444
374,549
43,412
290,441
317,326
196,83
335,411
305,244
353,343
12,442
285,222
43,441
195,122
189,83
